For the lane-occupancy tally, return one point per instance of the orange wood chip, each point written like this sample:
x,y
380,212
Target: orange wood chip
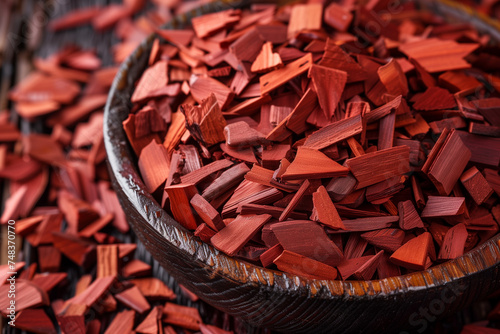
x,y
272,80
414,253
298,264
324,210
235,235
378,166
436,55
312,164
476,185
266,60
305,17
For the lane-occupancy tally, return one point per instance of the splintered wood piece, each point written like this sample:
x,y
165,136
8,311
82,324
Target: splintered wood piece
x,y
476,185
335,132
266,60
297,197
376,167
43,233
76,112
225,181
205,122
393,78
249,106
107,260
48,281
93,293
420,127
152,323
203,87
355,246
483,129
309,239
139,143
434,98
154,78
74,18
267,258
246,154
179,196
49,258
38,86
135,268
123,322
367,270
240,135
329,84
78,213
182,316
76,249
207,212
336,57
250,193
386,131
301,265
456,81
153,288
209,24
436,55
35,320
398,105
339,188
414,253
369,223
296,121
154,165
44,148
485,150
350,266
454,242
265,177
196,176
204,232
175,131
408,216
325,211
272,155
442,206
272,80
389,239
379,193
337,16
447,161
305,17
234,236
312,164
253,209
95,226
28,295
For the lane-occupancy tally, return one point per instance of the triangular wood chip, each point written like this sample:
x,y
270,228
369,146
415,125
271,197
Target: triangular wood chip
x,y
312,164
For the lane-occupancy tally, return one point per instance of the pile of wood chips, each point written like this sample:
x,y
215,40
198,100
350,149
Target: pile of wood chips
x,y
298,139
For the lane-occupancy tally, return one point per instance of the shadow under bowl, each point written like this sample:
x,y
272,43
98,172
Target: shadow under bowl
x,y
269,298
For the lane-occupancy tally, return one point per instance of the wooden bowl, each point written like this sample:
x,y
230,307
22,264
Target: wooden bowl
x,y
270,298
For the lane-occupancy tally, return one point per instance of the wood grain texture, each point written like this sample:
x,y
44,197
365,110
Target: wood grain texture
x,y
268,298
